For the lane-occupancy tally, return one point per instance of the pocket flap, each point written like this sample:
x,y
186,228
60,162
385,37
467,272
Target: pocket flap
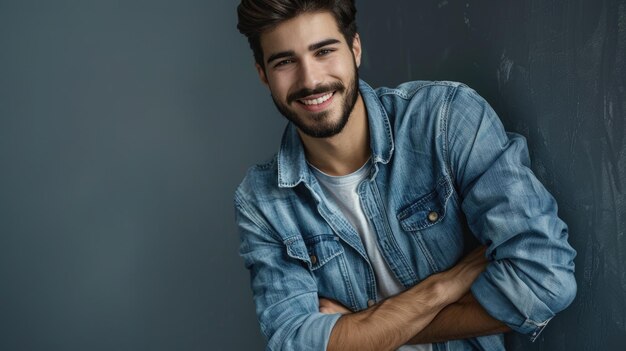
x,y
296,249
428,210
315,250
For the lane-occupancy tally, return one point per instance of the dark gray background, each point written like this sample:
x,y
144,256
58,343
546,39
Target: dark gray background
x,y
126,125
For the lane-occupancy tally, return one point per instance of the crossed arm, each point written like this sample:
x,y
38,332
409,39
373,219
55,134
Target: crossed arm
x,y
439,308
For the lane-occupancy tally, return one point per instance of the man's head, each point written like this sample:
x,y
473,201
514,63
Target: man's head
x,y
259,16
307,53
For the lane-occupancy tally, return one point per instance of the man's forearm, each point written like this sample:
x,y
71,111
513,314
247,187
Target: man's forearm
x,y
463,319
393,322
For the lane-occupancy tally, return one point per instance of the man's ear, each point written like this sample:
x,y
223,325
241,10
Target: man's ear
x,y
356,49
261,71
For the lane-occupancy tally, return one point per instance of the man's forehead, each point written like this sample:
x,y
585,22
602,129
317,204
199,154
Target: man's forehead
x,y
300,32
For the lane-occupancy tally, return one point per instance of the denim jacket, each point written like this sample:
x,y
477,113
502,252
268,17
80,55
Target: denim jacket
x,y
445,178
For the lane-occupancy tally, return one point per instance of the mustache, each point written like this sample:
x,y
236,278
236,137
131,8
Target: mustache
x,y
300,94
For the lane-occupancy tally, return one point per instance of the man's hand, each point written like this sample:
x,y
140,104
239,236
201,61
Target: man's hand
x,y
328,306
462,275
463,319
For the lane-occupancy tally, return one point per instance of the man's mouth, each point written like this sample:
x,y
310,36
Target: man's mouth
x,y
317,100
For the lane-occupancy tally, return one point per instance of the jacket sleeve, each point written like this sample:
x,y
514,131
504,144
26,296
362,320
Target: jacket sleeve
x,y
531,274
284,290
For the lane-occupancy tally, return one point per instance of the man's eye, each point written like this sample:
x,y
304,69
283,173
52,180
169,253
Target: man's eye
x,y
324,52
283,62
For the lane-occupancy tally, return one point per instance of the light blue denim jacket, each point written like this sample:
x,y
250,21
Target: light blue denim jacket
x,y
445,177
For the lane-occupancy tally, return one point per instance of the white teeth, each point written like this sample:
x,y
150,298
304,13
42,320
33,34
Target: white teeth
x,y
317,101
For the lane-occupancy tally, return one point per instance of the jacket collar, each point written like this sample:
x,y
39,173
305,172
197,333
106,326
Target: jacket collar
x,y
292,165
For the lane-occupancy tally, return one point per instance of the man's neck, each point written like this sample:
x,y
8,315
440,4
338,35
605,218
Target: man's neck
x,y
345,152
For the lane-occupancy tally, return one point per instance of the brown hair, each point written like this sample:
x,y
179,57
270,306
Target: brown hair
x,y
258,16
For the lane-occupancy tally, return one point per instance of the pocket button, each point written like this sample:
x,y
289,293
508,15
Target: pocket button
x,y
313,259
433,216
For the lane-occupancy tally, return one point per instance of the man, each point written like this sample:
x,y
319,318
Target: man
x,y
354,234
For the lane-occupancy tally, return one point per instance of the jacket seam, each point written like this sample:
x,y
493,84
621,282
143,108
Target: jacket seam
x,y
410,93
243,206
444,122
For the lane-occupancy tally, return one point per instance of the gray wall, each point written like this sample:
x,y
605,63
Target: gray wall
x,y
126,125
555,71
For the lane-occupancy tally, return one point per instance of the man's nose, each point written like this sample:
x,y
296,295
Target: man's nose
x,y
310,74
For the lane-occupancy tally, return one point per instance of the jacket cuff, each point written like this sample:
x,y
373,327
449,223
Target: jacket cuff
x,y
513,303
312,333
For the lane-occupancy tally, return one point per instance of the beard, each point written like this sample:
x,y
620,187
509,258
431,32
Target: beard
x,y
321,124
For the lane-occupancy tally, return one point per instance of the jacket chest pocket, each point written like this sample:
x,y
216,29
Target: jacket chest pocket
x,y
324,256
434,222
426,211
316,251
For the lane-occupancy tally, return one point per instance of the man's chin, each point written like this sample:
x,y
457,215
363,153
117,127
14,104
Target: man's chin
x,y
321,131
320,135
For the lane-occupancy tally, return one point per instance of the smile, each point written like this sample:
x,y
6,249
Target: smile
x,y
316,103
318,100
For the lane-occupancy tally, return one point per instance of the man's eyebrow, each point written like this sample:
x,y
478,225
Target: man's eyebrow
x,y
292,53
281,54
323,43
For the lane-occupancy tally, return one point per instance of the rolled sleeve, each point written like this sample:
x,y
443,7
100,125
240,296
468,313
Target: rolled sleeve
x,y
290,330
530,275
284,291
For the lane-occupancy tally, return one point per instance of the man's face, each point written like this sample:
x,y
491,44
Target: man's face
x,y
311,73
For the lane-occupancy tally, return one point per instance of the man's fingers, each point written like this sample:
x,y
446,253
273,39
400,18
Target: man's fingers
x,y
475,259
477,254
328,306
462,275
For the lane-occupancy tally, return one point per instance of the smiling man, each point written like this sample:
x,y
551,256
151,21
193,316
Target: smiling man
x,y
400,218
